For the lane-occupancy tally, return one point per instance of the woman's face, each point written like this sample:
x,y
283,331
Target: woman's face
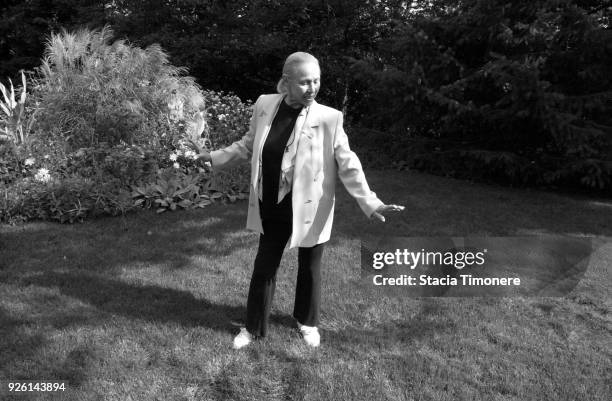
x,y
303,85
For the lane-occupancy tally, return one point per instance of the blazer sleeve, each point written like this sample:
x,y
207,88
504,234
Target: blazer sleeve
x,y
351,173
239,151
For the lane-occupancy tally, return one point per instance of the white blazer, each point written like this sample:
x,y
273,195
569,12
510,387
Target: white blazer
x,y
323,153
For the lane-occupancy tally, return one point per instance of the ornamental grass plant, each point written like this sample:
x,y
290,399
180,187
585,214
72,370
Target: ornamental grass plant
x,y
112,120
92,90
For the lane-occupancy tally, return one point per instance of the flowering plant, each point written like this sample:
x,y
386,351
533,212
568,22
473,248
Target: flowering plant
x,y
42,175
187,160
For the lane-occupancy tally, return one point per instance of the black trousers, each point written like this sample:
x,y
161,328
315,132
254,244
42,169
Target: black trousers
x,y
263,281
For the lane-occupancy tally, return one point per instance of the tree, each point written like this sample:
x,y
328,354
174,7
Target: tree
x,y
516,92
24,26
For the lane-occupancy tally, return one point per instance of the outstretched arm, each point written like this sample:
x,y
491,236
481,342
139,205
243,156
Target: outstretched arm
x,y
352,176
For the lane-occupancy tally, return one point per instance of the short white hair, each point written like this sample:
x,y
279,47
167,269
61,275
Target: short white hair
x,y
294,59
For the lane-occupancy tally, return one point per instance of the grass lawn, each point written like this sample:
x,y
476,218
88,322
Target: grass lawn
x,y
145,307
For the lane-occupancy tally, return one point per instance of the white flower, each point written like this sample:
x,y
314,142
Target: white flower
x,y
173,157
29,161
42,175
221,117
176,109
191,154
176,165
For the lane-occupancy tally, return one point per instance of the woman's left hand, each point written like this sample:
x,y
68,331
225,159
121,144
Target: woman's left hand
x,y
378,213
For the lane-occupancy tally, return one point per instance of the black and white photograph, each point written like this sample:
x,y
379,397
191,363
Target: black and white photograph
x,y
288,200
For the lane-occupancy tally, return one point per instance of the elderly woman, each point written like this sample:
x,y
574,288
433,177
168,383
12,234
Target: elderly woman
x,y
296,147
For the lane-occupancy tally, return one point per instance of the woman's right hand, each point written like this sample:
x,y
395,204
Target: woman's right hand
x,y
204,156
192,145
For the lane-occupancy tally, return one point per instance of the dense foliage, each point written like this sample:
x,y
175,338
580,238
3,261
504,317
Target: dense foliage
x,y
103,129
93,91
515,92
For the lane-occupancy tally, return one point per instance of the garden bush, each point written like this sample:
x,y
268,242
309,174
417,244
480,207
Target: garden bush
x,y
11,169
108,115
128,164
113,123
228,120
181,182
111,132
92,91
68,200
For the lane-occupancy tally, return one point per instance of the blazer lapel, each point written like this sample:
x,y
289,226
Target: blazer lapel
x,y
308,135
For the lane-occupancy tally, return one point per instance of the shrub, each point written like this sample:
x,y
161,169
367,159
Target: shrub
x,y
228,120
93,91
66,201
109,115
228,117
10,167
111,135
127,164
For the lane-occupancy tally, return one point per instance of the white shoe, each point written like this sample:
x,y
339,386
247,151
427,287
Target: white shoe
x,y
243,338
310,335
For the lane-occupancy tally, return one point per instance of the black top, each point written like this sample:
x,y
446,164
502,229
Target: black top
x,y
272,157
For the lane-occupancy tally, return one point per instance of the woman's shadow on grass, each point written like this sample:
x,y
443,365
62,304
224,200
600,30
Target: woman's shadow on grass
x,y
145,302
112,244
86,263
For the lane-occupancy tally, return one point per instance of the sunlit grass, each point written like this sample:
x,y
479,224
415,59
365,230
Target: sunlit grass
x,y
146,307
